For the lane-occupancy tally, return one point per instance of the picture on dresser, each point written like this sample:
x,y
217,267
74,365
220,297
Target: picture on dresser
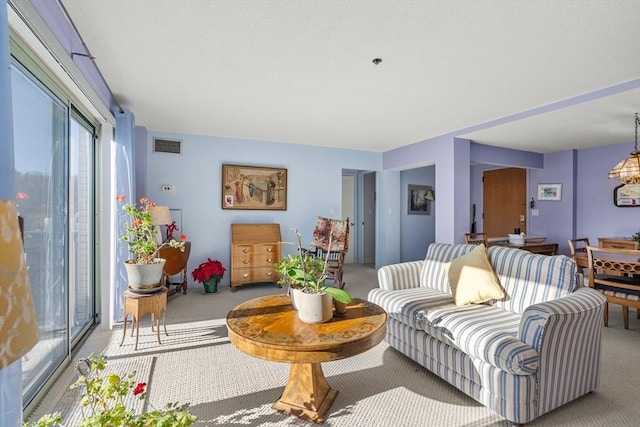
x,y
254,187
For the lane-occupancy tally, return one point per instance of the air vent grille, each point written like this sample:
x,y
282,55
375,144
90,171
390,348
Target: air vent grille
x,y
170,146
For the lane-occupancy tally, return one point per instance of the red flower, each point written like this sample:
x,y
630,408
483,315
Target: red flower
x,y
183,237
120,197
207,270
139,389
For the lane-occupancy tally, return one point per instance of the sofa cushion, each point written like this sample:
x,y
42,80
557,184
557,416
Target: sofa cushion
x,y
406,305
472,279
484,332
433,274
530,278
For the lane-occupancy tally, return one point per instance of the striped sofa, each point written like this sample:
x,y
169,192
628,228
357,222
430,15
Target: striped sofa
x,y
521,356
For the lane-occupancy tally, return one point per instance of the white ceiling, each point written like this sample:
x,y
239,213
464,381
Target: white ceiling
x,y
301,71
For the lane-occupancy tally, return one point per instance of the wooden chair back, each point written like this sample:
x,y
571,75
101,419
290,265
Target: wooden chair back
x,y
616,273
475,238
335,231
578,248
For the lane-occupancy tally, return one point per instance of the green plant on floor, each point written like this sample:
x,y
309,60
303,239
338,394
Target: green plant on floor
x,y
103,398
208,269
636,237
311,278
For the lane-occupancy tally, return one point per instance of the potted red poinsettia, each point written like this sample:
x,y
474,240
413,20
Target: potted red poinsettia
x,y
209,274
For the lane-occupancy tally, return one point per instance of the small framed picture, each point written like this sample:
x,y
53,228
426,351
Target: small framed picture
x,y
627,196
417,202
550,192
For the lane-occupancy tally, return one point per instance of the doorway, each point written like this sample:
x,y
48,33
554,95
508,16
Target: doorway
x,y
504,201
358,204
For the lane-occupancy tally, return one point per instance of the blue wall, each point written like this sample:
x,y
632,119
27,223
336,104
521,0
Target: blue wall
x,y
314,182
416,231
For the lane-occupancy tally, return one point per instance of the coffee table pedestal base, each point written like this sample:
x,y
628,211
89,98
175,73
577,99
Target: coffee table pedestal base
x,y
307,394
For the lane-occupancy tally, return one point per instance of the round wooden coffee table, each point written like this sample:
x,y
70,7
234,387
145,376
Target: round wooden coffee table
x,y
269,328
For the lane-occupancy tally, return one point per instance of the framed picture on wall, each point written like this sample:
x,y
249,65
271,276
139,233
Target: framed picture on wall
x,y
254,187
550,192
627,196
417,202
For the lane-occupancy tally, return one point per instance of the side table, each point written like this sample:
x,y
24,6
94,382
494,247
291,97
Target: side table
x,y
139,305
268,327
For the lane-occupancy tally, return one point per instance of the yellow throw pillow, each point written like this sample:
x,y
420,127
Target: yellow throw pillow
x,y
472,278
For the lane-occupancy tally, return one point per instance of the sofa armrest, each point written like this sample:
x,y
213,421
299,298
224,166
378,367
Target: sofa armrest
x,y
405,275
568,335
583,308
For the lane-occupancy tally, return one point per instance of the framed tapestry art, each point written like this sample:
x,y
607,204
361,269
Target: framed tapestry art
x,y
254,187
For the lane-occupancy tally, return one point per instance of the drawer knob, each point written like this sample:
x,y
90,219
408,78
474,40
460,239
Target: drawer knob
x,y
269,250
245,250
269,273
269,260
245,261
245,275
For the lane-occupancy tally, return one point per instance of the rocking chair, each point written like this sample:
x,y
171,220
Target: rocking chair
x,y
336,231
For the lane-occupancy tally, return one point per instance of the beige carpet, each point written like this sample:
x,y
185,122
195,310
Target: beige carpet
x,y
197,364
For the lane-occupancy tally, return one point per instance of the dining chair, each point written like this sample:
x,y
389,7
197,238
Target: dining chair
x,y
616,274
475,238
578,248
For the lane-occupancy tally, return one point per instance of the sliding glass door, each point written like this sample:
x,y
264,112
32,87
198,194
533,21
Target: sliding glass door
x,y
54,152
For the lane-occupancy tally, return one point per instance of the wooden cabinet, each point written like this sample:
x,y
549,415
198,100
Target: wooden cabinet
x,y
255,249
618,243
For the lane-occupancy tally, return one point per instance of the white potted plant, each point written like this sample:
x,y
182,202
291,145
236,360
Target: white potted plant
x,y
313,300
144,270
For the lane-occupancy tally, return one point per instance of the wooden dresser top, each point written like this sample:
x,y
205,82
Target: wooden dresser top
x,y
255,233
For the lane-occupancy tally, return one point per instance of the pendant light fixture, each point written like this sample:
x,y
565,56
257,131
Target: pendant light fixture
x,y
628,170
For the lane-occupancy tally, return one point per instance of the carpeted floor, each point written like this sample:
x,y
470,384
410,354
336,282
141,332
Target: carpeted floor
x,y
197,364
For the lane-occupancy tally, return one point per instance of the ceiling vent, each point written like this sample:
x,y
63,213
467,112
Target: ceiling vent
x,y
170,146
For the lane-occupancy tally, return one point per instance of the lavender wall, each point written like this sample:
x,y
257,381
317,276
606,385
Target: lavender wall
x,y
556,218
417,231
596,214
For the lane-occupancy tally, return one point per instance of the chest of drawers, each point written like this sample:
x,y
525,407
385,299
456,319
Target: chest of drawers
x,y
255,249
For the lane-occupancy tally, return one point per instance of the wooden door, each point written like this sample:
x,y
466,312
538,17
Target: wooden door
x,y
504,201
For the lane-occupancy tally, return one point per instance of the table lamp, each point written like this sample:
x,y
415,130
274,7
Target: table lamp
x,y
160,215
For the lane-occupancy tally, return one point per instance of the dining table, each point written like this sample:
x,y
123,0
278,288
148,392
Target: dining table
x,y
533,244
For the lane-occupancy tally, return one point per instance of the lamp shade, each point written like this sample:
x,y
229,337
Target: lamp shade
x,y
18,325
627,170
160,215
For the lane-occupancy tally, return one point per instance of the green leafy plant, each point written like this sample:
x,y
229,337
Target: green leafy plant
x,y
311,278
314,266
104,397
636,237
140,233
